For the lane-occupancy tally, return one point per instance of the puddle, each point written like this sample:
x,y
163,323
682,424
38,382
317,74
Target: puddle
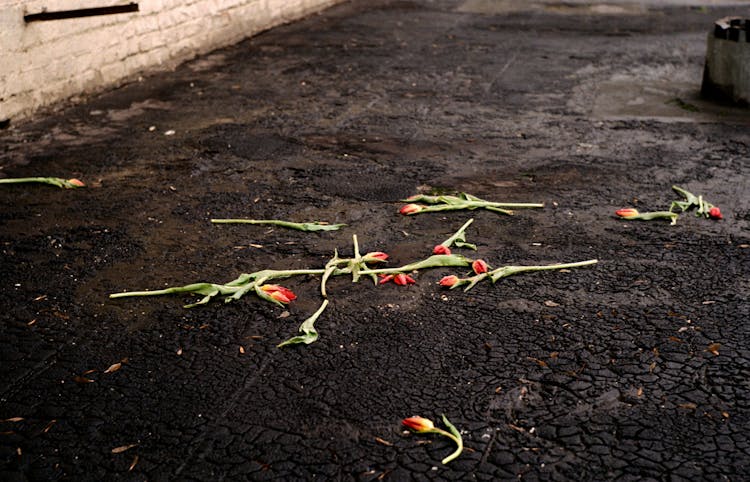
x,y
663,101
495,7
667,93
578,7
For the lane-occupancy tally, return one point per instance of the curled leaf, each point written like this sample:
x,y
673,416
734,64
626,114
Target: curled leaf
x,y
307,328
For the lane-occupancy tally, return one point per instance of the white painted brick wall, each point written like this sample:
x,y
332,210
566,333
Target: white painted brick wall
x,y
42,63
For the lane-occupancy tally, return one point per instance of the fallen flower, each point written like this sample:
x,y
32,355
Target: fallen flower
x,y
403,279
705,208
504,271
375,257
423,425
440,249
55,181
479,266
410,209
627,213
279,293
449,280
461,201
418,424
631,214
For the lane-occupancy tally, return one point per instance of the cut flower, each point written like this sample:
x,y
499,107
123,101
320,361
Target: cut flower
x,y
480,266
279,293
410,209
423,425
440,249
633,214
449,280
462,201
55,181
418,424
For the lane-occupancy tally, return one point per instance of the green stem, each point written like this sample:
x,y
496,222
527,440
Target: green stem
x,y
454,435
511,270
55,181
311,226
433,261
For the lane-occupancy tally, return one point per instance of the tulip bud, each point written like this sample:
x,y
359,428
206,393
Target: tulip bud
x,y
448,280
418,424
627,213
479,266
410,209
76,183
440,249
403,279
279,293
715,213
375,256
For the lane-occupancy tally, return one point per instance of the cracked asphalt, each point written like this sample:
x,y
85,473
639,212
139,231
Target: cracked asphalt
x,y
636,368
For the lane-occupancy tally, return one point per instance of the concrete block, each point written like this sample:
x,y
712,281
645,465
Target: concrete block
x,y
726,75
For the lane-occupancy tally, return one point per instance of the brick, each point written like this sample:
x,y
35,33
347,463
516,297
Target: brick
x,y
49,61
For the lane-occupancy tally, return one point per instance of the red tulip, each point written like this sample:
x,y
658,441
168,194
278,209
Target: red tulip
x,y
384,278
479,266
279,293
715,213
448,280
440,249
418,424
627,212
375,256
403,279
411,209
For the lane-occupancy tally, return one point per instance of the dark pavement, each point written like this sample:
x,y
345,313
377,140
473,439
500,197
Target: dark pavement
x,y
636,368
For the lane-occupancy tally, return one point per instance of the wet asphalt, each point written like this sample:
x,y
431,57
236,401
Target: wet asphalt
x,y
635,368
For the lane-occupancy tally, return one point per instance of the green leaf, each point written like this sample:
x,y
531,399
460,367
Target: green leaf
x,y
434,261
459,238
307,328
458,439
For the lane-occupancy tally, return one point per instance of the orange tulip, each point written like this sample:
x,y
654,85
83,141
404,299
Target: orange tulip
x,y
279,293
418,424
627,212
